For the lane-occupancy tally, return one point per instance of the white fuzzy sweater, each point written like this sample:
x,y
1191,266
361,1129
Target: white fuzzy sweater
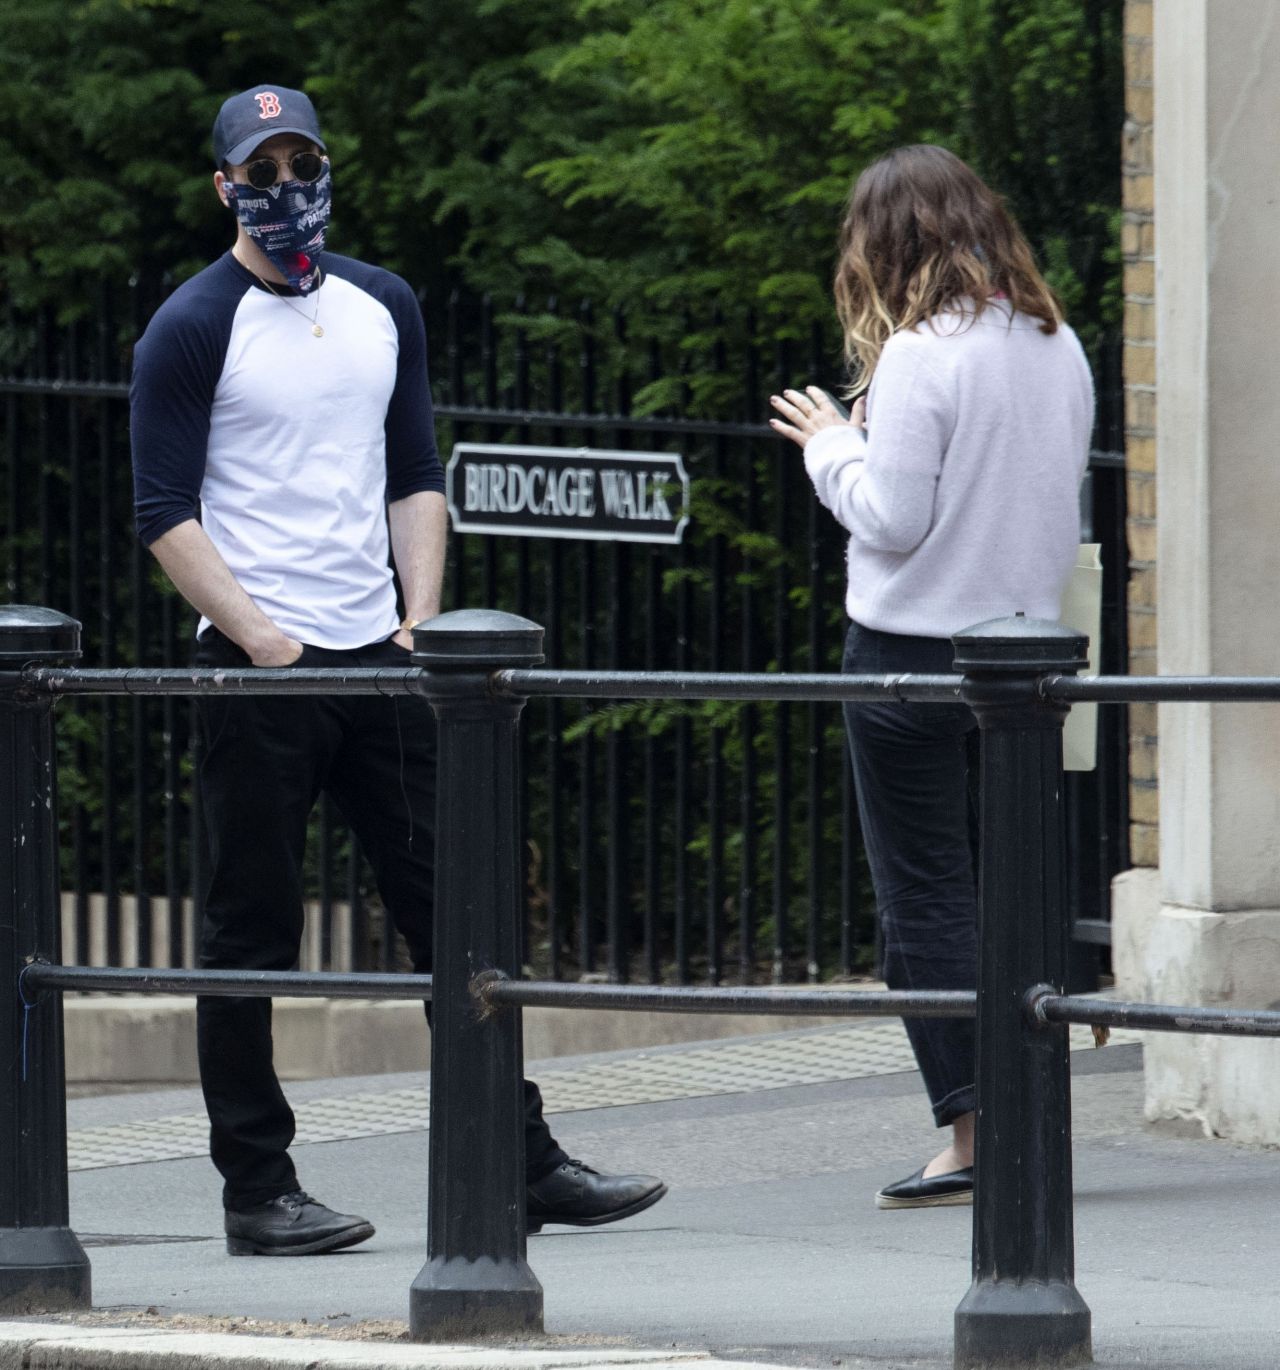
x,y
961,497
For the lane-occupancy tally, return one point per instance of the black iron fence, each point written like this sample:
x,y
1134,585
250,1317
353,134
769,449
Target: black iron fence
x,y
1019,677
735,823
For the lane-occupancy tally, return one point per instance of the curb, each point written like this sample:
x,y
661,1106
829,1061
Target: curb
x,y
151,1039
51,1346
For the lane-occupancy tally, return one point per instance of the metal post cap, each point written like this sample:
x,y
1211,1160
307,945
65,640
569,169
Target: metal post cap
x,y
1020,644
29,633
477,639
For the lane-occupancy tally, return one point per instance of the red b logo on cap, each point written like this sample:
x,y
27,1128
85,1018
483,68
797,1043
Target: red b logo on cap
x,y
269,104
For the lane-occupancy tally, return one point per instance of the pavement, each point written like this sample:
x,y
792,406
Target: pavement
x,y
768,1249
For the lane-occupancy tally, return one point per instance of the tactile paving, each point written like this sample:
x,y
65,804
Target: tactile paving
x,y
737,1066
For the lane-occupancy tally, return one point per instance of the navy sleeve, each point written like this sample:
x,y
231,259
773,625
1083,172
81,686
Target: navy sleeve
x,y
176,366
413,464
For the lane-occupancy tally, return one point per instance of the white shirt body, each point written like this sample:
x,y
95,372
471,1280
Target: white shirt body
x,y
961,498
295,477
288,444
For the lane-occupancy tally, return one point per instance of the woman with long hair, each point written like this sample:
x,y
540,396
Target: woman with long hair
x,y
956,476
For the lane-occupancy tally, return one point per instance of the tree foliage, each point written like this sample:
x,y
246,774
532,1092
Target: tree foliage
x,y
676,156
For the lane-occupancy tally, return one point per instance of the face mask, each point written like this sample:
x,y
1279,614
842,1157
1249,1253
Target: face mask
x,y
288,223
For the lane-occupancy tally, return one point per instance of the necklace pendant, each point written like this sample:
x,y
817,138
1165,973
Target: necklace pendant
x,y
317,331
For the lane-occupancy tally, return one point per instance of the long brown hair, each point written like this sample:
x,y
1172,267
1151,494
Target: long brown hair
x,y
923,233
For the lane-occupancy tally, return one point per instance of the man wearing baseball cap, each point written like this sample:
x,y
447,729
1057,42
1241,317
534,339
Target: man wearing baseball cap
x,y
284,457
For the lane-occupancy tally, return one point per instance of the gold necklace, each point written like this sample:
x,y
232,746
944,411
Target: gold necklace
x,y
314,321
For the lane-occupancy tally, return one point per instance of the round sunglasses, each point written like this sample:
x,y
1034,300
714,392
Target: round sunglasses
x,y
305,166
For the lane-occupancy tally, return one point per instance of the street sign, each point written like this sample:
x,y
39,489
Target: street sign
x,y
567,492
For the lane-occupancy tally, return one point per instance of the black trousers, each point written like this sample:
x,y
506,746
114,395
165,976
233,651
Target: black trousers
x,y
265,763
912,766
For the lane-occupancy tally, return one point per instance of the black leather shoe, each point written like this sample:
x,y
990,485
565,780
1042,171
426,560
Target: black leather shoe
x,y
575,1194
938,1191
292,1225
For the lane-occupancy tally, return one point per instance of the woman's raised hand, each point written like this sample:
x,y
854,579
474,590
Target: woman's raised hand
x,y
804,413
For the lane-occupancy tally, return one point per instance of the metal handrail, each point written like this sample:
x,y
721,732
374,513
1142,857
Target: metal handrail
x,y
1045,1006
259,680
499,991
1171,689
299,984
550,683
171,682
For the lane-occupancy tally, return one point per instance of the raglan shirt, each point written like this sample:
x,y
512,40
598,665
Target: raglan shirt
x,y
288,446
961,497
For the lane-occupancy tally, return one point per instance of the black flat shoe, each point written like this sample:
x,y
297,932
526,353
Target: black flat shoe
x,y
581,1197
292,1225
938,1191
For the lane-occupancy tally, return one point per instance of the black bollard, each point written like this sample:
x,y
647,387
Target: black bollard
x,y
1023,1307
43,1267
476,1280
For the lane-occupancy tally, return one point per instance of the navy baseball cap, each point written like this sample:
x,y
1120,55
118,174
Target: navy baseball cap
x,y
256,114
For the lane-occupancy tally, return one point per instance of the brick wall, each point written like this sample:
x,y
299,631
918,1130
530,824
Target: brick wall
x,y
1138,242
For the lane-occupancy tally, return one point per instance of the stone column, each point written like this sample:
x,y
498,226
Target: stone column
x,y
1213,934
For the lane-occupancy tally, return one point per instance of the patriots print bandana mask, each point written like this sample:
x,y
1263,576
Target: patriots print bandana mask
x,y
288,223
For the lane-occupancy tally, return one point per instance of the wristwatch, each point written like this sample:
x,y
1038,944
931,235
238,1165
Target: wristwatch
x,y
407,625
